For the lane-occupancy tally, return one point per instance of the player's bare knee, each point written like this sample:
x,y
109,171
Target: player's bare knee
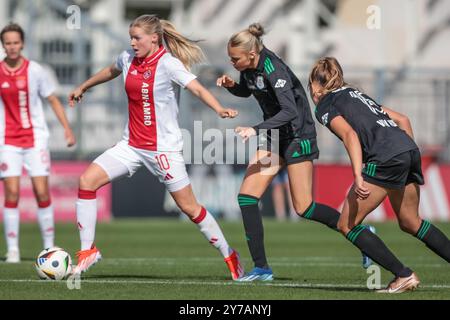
x,y
12,194
42,196
300,207
409,225
343,227
87,183
190,209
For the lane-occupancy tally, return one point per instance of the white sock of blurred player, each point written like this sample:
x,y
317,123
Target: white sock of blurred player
x,y
11,220
212,232
86,217
46,223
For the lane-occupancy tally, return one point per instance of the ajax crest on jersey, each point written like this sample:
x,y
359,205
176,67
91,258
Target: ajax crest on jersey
x,y
147,74
21,83
53,264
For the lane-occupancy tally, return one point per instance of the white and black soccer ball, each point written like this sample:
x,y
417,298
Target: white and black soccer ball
x,y
53,264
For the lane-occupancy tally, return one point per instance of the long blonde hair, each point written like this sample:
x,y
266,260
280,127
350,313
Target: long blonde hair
x,y
327,72
185,49
249,39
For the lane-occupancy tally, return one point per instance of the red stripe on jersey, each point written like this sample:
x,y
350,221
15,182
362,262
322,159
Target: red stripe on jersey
x,y
16,99
141,103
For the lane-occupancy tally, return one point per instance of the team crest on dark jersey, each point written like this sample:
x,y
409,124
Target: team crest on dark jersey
x,y
260,82
147,74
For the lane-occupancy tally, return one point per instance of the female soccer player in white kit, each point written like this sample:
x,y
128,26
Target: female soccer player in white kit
x,y
152,75
24,136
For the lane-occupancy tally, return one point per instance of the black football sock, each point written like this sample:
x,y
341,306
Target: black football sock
x,y
434,239
373,246
323,214
254,229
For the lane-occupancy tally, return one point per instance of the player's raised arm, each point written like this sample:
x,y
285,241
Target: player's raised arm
x,y
104,75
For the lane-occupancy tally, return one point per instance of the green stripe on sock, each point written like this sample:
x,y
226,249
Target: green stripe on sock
x,y
354,233
246,198
246,201
424,229
309,213
428,228
357,234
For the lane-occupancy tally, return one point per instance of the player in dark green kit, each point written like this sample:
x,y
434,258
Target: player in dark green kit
x,y
287,138
383,140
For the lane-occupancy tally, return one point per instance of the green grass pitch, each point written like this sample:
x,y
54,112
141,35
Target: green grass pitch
x,y
170,259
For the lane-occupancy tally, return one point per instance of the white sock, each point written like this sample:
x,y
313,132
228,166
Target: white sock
x,y
212,232
86,218
11,219
47,226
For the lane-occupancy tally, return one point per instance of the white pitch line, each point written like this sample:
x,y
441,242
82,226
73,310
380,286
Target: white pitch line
x,y
214,283
275,262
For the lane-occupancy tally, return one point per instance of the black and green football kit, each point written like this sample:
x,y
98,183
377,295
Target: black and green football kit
x,y
285,106
392,160
391,157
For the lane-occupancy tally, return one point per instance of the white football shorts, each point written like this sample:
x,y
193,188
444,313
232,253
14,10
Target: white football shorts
x,y
123,159
36,161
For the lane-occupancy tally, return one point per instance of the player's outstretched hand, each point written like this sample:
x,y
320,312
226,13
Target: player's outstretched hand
x,y
228,113
225,81
245,132
361,189
70,137
76,96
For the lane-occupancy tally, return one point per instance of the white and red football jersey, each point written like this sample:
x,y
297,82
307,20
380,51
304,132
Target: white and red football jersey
x,y
22,120
153,86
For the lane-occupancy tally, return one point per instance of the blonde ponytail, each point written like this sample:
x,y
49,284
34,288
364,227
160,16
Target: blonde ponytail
x,y
186,50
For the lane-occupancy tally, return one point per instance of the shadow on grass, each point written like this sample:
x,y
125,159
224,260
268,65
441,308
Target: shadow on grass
x,y
176,278
153,277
